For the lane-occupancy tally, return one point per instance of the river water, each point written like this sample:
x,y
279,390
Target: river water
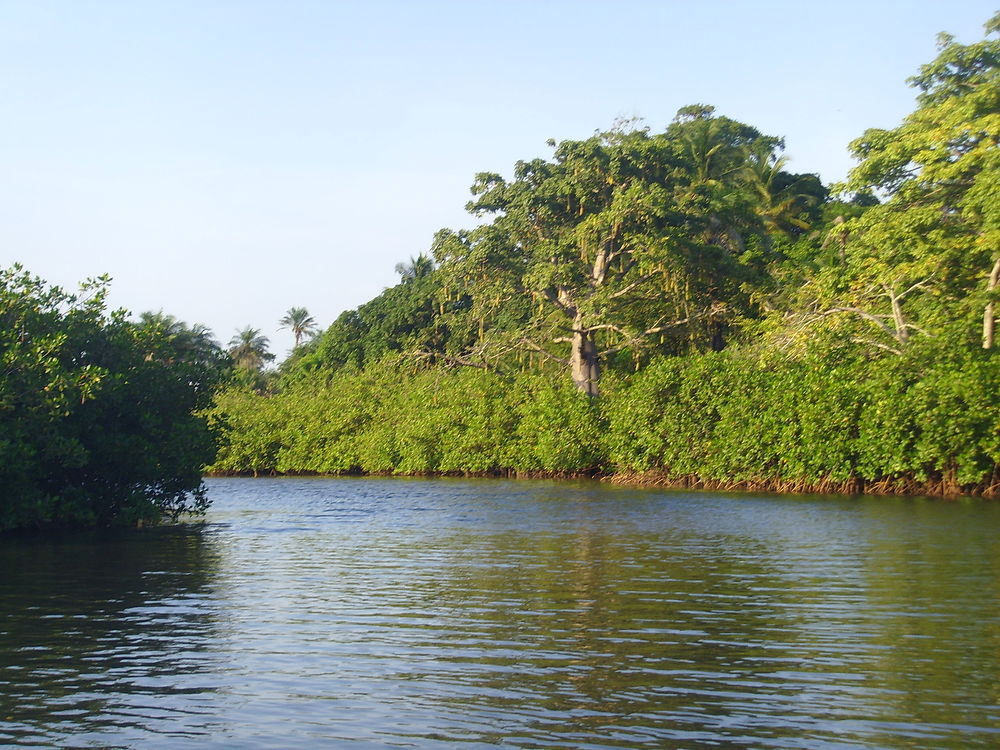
x,y
369,613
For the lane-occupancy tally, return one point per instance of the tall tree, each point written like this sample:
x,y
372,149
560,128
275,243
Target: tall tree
x,y
619,241
787,204
300,322
179,341
930,254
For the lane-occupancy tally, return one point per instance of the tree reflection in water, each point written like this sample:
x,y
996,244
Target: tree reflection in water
x,y
368,613
105,633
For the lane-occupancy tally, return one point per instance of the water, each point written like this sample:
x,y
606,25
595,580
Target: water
x,y
377,613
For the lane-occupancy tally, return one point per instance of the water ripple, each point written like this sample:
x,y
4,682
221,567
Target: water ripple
x,y
392,613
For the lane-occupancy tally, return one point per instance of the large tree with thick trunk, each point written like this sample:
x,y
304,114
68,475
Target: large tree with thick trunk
x,y
622,241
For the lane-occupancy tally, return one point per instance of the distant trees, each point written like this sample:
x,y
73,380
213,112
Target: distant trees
x,y
300,322
407,317
416,268
249,349
185,343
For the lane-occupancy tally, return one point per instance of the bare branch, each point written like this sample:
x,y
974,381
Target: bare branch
x,y
867,316
918,285
668,326
532,345
603,327
628,266
625,290
453,359
919,330
886,347
859,311
634,339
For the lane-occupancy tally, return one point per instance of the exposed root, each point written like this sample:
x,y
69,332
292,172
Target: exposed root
x,y
946,485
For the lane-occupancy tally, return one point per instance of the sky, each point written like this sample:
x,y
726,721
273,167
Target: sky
x,y
224,160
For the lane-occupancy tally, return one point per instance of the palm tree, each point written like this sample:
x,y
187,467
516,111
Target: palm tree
x,y
782,200
417,268
301,322
248,348
187,343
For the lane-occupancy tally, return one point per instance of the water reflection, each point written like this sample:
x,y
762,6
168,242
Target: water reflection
x,y
374,613
606,640
104,635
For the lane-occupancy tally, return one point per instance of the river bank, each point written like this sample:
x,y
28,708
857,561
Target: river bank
x,y
946,486
943,487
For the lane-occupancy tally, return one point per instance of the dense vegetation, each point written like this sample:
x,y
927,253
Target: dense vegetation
x,y
680,303
97,413
675,306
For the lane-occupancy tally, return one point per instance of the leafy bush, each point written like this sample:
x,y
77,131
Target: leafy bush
x,y
96,413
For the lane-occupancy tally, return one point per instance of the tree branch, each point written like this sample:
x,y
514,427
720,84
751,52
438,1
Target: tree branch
x,y
633,339
554,298
668,326
888,348
603,327
866,315
918,285
532,345
625,290
453,359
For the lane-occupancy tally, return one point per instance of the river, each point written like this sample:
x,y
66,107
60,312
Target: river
x,y
370,613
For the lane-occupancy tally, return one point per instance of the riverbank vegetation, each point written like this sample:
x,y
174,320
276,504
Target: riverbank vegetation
x,y
98,413
679,305
674,307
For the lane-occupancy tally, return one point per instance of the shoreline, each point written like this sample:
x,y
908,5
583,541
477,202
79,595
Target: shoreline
x,y
945,487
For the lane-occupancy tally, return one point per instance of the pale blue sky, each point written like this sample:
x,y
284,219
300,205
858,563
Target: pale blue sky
x,y
227,160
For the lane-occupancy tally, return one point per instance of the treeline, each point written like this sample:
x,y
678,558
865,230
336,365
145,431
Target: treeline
x,y
730,419
674,306
679,304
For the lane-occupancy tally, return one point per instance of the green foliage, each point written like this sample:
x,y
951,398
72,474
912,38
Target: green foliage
x,y
744,327
393,419
407,317
739,417
96,413
922,260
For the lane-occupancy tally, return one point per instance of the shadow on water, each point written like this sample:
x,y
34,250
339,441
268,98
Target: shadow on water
x,y
102,634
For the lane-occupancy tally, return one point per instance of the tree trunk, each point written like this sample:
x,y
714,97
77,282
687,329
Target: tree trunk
x,y
988,320
583,362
